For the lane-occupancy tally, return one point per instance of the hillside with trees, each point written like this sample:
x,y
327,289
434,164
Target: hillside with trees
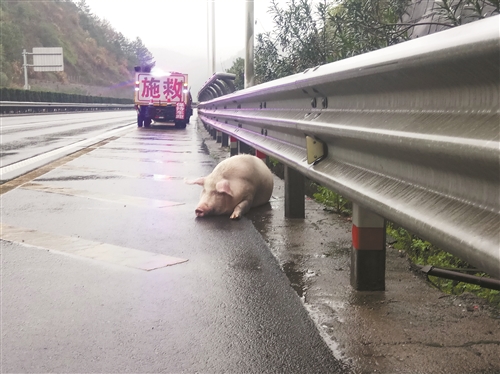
x,y
95,55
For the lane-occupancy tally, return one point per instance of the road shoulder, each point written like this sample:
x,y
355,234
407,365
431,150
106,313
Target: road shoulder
x,y
409,328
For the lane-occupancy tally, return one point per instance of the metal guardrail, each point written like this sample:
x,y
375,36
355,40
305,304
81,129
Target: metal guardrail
x,y
218,85
411,133
7,107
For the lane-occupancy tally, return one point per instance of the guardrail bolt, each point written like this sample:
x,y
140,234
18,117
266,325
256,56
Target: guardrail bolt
x,y
313,103
324,102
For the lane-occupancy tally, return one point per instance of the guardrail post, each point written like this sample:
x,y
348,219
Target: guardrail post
x,y
219,136
368,250
245,148
234,146
294,194
225,140
260,155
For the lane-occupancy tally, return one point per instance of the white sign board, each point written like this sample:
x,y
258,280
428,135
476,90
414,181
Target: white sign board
x,y
48,59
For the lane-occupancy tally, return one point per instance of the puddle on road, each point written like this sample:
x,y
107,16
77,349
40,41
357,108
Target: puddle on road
x,y
204,148
110,174
143,150
77,178
295,276
3,154
152,160
337,249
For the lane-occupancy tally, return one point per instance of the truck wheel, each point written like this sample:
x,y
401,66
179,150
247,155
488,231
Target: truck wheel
x,y
147,122
140,120
180,125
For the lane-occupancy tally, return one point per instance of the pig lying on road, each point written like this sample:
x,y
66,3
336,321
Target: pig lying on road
x,y
235,185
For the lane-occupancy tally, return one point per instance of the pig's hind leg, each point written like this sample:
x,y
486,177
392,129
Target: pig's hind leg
x,y
241,209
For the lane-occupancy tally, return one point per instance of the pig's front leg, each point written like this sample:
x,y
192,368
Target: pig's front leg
x,y
241,209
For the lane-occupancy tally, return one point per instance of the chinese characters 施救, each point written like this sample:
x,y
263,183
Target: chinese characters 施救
x,y
166,89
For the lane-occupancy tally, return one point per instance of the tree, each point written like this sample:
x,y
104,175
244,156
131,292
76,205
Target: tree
x,y
305,36
300,40
456,13
238,69
360,26
144,57
4,79
298,33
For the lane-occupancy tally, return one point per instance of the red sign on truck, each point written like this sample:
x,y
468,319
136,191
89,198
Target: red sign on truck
x,y
164,98
163,89
180,109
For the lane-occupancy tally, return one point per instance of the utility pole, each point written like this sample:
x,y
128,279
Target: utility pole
x,y
249,50
211,32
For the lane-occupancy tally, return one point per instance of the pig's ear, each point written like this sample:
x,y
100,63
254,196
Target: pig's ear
x,y
223,187
200,181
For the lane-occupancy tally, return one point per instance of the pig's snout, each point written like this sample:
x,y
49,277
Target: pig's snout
x,y
202,210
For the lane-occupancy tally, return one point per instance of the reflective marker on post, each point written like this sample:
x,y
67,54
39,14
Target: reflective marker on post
x,y
260,155
368,250
234,146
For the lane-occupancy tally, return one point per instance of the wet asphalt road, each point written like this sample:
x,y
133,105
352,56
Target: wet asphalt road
x,y
70,303
28,135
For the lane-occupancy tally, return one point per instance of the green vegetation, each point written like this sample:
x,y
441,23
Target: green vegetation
x,y
333,200
94,53
307,34
238,69
421,252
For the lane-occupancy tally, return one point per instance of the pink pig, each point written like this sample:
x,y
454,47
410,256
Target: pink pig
x,y
235,185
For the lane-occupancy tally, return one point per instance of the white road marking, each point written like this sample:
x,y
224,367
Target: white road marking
x,y
114,254
157,177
